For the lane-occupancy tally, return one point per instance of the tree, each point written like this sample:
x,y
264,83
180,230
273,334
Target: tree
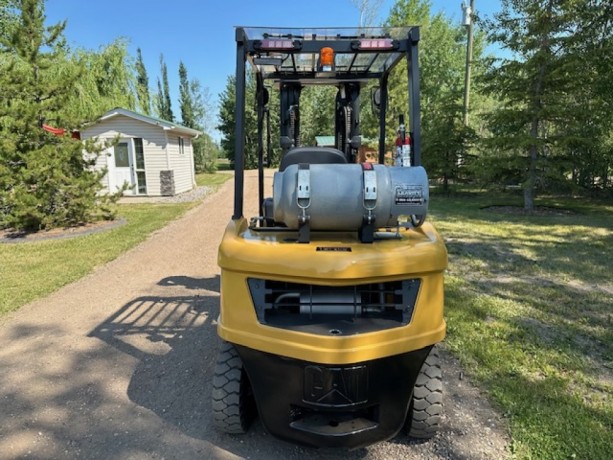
x,y
441,56
227,120
8,20
186,102
368,11
317,106
589,145
552,123
142,84
106,81
45,180
163,102
194,101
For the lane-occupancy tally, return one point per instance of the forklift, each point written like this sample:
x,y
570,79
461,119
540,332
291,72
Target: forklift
x,y
332,296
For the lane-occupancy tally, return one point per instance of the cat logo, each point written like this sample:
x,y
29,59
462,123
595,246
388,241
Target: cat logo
x,y
335,387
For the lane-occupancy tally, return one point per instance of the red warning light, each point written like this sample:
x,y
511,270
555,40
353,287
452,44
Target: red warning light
x,y
376,44
271,44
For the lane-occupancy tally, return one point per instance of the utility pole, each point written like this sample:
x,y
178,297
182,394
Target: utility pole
x,y
467,20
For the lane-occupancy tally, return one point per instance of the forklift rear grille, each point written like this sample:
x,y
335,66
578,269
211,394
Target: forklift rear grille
x,y
334,310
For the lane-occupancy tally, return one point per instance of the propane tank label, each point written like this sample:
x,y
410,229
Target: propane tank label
x,y
409,195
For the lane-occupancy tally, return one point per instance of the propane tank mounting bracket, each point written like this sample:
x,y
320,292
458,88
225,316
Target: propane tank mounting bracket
x,y
303,200
367,230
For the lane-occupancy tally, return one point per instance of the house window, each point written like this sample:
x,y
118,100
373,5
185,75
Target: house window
x,y
181,146
139,152
141,177
122,155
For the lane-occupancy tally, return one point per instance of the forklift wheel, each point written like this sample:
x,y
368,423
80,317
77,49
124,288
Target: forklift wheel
x,y
427,404
233,402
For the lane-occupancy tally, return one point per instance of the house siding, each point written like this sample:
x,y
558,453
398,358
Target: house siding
x,y
181,163
155,150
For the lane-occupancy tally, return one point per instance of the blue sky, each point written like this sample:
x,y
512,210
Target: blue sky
x,y
201,32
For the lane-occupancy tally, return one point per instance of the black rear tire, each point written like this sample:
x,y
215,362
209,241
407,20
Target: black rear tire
x,y
233,401
425,414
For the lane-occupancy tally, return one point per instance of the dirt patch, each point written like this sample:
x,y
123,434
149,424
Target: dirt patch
x,y
12,236
544,211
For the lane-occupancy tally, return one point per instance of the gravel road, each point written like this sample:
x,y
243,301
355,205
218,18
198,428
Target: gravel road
x,y
119,365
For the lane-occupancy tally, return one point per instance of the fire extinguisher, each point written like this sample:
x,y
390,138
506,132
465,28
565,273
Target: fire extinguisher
x,y
403,145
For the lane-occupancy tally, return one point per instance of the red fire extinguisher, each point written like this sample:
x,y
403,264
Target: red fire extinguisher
x,y
403,146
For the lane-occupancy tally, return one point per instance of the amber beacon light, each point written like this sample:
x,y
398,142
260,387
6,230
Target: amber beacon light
x,y
326,59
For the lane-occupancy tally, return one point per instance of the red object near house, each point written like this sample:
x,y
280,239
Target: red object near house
x,y
61,132
56,131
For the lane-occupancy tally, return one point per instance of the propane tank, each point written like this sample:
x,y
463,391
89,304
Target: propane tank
x,y
342,196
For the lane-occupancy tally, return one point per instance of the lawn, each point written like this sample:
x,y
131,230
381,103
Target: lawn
x,y
529,314
33,270
29,271
213,180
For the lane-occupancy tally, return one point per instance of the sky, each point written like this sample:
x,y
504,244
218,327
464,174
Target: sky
x,y
201,32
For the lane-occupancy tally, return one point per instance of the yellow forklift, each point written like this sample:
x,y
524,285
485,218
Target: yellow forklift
x,y
331,297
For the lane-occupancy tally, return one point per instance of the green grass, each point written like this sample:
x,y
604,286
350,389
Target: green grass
x,y
223,164
35,269
29,271
212,180
529,314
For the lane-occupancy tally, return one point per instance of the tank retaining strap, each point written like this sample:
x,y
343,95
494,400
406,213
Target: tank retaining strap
x,y
367,230
303,200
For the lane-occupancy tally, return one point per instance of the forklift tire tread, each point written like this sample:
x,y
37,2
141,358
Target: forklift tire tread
x,y
232,399
427,405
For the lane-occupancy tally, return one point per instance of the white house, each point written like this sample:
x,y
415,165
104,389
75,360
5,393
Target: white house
x,y
155,157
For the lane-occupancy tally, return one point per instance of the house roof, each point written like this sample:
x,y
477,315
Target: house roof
x,y
164,124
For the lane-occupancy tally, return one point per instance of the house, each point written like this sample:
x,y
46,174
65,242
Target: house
x,y
154,157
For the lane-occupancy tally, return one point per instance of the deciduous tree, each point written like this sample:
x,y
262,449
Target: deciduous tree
x,y
163,101
106,81
142,84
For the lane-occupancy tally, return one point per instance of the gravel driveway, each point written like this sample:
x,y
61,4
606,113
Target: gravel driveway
x,y
119,365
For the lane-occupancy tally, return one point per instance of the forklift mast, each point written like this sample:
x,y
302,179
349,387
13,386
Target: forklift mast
x,y
291,59
347,120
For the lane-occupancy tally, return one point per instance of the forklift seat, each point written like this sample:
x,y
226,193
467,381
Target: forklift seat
x,y
312,155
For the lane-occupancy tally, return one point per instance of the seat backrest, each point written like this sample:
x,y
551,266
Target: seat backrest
x,y
312,155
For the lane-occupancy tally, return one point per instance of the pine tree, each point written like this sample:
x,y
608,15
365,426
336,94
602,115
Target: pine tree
x,y
551,109
142,84
8,19
45,181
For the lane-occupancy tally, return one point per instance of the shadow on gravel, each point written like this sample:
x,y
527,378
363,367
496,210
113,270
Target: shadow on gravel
x,y
175,341
191,283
